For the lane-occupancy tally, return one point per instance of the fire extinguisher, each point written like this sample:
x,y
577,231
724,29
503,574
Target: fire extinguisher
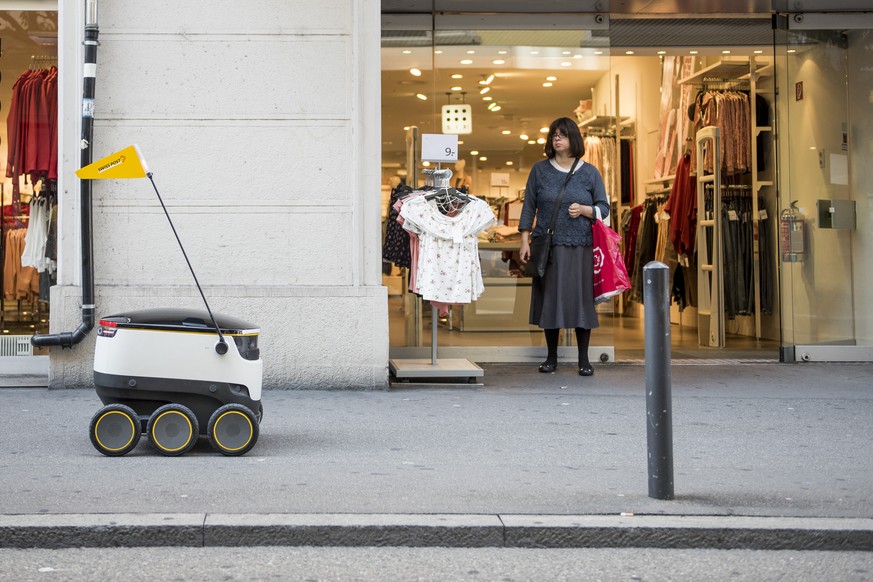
x,y
792,234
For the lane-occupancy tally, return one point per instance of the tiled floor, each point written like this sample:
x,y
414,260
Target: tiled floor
x,y
625,333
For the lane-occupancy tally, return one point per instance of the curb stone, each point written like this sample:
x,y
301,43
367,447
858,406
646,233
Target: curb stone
x,y
435,530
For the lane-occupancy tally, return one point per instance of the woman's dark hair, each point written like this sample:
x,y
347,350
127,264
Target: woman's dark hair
x,y
569,128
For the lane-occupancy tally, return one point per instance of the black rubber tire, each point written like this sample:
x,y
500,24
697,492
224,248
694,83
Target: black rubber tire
x,y
173,430
115,430
233,430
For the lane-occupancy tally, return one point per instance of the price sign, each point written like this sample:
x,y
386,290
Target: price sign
x,y
439,147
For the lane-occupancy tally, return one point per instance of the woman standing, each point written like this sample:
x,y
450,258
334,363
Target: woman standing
x,y
564,296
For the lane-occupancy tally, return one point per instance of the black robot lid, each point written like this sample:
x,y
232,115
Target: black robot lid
x,y
179,318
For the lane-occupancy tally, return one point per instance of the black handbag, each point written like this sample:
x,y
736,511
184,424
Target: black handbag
x,y
541,246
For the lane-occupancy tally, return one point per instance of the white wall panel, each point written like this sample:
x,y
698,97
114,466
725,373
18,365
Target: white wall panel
x,y
234,163
225,17
254,248
272,77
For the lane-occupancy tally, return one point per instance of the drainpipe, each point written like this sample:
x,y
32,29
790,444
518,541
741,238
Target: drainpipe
x,y
69,338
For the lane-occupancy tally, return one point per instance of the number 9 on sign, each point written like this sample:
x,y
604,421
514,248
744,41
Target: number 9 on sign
x,y
439,147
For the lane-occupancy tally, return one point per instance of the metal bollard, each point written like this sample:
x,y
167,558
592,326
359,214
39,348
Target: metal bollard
x,y
659,407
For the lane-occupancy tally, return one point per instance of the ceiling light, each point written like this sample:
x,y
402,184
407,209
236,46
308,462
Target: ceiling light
x,y
565,52
792,50
758,52
498,62
598,52
487,81
509,163
577,56
415,72
406,128
534,52
487,98
692,52
484,90
483,159
523,136
407,52
491,106
566,64
628,52
457,76
541,140
505,132
471,52
531,141
456,88
544,130
725,52
502,52
466,62
662,52
425,163
437,52
551,78
497,108
474,152
547,84
421,96
460,142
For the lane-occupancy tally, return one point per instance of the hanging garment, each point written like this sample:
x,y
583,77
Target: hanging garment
x,y
448,268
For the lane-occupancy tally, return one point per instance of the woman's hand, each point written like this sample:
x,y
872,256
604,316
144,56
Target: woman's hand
x,y
576,210
524,252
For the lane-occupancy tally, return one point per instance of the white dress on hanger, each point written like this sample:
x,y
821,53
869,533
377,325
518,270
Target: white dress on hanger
x,y
448,255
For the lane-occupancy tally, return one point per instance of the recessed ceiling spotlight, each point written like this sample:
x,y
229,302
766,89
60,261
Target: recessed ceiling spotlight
x,y
484,90
544,130
505,132
565,52
524,136
692,52
509,162
474,152
406,128
758,52
628,52
792,50
662,52
541,140
437,52
488,80
547,84
577,56
425,163
483,159
415,72
498,62
598,52
534,52
421,96
466,62
725,52
531,141
497,108
566,64
502,52
457,76
487,98
460,142
407,52
471,52
551,78
456,88
491,106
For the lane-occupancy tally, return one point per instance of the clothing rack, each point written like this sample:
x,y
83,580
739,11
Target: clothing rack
x,y
422,370
41,61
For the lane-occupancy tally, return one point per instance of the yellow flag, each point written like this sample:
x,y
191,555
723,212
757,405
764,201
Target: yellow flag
x,y
127,163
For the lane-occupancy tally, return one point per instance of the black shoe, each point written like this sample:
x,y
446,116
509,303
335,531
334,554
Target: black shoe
x,y
586,370
548,367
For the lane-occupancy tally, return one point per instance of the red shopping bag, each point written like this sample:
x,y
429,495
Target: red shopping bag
x,y
610,274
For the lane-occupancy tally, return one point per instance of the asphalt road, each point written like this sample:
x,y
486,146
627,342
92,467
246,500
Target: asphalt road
x,y
387,564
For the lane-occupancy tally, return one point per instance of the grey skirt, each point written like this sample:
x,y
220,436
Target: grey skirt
x,y
564,297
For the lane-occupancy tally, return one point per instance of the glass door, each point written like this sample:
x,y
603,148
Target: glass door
x,y
824,69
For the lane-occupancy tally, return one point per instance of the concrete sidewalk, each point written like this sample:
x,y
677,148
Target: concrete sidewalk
x,y
766,456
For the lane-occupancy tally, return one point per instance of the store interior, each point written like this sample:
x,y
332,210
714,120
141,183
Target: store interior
x,y
639,108
28,183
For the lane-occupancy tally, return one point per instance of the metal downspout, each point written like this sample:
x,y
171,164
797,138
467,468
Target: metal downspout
x,y
69,338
